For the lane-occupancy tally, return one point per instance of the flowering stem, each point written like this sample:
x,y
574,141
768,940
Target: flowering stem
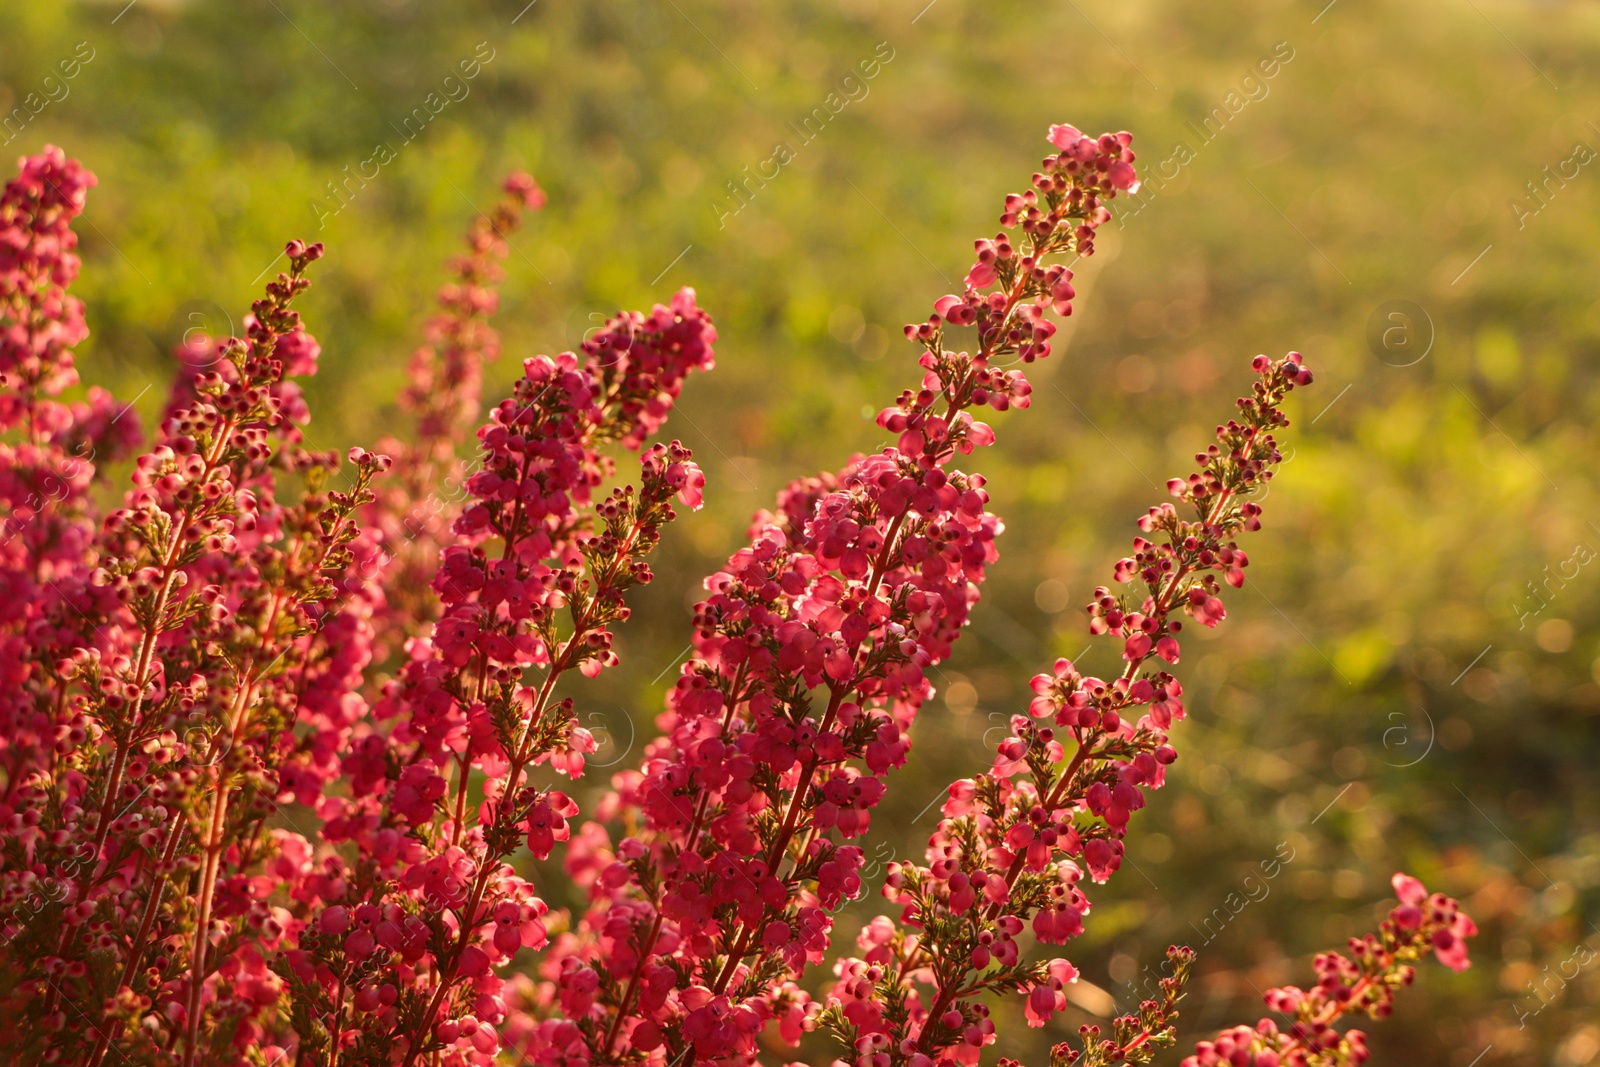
x,y
487,866
220,796
791,817
1058,795
147,642
136,950
221,793
696,824
122,739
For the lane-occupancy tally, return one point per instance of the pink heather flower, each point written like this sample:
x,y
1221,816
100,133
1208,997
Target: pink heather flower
x,y
521,185
1057,924
1065,137
419,790
1408,889
1042,1003
687,479
1450,946
961,794
1047,998
1450,950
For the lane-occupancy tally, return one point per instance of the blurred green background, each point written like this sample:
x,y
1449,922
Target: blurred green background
x,y
1409,678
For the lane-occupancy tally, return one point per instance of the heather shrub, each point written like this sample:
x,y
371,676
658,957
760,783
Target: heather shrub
x,y
389,641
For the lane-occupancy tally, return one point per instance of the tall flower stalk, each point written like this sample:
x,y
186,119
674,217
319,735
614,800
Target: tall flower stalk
x,y
422,496
1016,842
